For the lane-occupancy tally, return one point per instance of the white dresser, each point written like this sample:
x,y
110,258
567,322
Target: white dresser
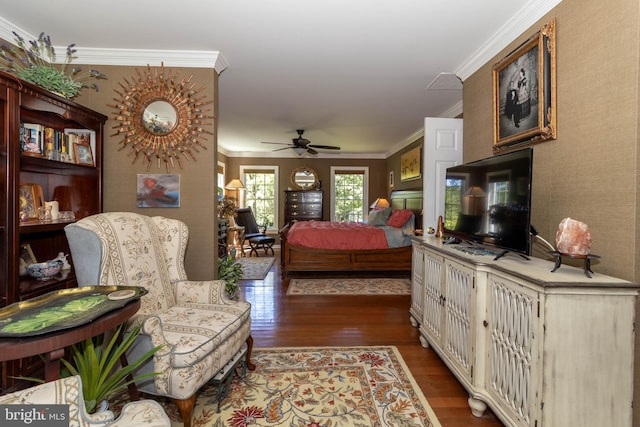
x,y
540,349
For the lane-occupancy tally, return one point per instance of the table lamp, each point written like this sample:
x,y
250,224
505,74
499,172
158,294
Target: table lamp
x,y
237,185
380,203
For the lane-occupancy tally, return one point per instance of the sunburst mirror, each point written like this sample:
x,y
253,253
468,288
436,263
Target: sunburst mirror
x,y
161,117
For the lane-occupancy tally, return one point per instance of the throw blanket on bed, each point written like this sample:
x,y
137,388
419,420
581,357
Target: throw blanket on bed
x,y
337,235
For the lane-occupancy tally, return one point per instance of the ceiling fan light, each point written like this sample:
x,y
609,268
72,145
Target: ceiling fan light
x,y
299,150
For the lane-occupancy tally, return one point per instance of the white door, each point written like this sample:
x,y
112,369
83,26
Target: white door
x,y
442,149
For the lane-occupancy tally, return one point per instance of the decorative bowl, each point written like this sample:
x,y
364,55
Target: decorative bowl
x,y
44,270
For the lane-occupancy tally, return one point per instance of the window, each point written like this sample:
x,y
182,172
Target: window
x,y
220,181
350,198
497,194
454,190
498,187
261,193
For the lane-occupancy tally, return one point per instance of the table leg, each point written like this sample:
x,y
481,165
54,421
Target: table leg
x,y
558,262
133,389
52,364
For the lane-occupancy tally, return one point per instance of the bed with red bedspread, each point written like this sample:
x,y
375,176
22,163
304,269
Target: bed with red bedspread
x,y
332,246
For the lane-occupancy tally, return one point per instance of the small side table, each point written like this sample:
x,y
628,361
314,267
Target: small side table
x,y
52,340
52,345
236,239
224,377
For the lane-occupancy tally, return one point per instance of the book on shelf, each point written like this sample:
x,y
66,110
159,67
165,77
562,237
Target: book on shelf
x,y
48,144
59,145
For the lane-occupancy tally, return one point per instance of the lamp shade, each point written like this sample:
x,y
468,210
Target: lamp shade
x,y
299,150
380,203
234,184
475,192
474,201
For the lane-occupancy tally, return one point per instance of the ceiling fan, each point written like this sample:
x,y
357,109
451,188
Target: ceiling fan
x,y
301,145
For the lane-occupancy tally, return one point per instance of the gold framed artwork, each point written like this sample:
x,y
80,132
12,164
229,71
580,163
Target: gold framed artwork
x,y
411,164
524,92
31,198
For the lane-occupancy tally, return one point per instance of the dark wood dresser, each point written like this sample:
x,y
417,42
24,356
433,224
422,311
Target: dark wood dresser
x,y
302,206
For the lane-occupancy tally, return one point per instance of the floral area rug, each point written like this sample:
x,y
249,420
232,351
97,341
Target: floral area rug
x,y
255,268
365,286
314,387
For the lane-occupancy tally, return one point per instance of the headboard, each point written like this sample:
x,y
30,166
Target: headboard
x,y
410,200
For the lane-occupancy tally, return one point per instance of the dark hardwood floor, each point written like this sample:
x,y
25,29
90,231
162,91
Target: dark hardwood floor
x,y
279,320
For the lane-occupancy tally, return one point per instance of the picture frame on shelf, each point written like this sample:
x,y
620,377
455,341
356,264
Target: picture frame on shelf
x,y
83,153
30,198
26,258
83,137
524,93
411,164
26,254
31,139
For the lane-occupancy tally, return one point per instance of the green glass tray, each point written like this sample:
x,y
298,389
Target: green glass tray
x,y
63,309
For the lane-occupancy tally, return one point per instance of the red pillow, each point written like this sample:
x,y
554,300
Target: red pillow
x,y
399,217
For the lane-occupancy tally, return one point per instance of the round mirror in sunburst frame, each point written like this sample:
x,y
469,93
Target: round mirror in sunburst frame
x,y
161,118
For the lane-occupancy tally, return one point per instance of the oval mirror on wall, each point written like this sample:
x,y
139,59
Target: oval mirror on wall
x,y
304,178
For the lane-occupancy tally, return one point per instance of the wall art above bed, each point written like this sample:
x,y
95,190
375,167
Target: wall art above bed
x,y
411,164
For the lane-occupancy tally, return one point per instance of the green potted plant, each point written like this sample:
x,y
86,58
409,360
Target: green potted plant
x,y
98,365
231,272
34,62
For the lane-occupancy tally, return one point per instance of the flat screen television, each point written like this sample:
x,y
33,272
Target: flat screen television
x,y
489,202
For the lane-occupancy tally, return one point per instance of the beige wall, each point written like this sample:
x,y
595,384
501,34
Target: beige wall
x,y
591,171
378,175
393,164
197,179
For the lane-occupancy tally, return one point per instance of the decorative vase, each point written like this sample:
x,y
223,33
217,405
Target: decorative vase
x,y
102,406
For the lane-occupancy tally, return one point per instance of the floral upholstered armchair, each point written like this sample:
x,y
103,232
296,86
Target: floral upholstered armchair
x,y
68,391
201,330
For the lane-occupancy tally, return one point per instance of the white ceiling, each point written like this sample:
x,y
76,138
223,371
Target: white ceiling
x,y
359,74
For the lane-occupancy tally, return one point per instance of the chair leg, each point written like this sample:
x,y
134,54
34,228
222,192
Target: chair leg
x,y
186,409
250,364
254,249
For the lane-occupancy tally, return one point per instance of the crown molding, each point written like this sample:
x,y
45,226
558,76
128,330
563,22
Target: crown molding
x,y
510,31
142,57
130,57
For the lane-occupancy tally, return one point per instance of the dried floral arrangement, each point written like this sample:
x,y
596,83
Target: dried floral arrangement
x,y
34,62
226,206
